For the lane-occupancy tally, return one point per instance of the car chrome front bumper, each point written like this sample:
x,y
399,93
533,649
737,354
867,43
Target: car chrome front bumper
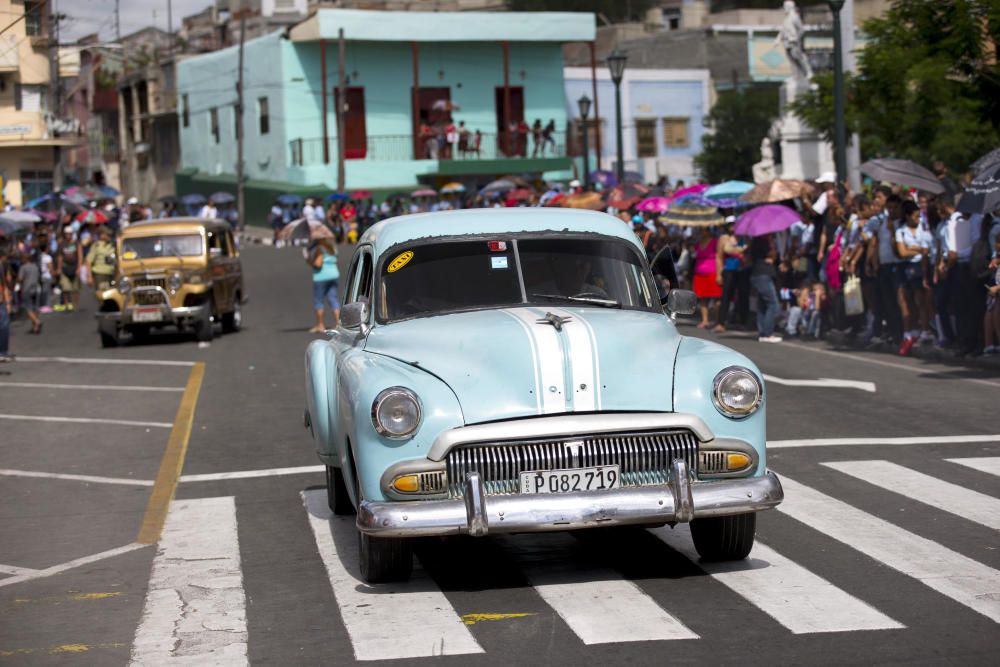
x,y
478,514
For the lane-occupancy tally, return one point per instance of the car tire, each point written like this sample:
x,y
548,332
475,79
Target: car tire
x,y
233,321
337,497
108,340
203,331
720,538
385,559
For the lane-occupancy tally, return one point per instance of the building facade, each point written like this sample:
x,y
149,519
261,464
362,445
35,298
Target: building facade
x,y
407,77
148,130
662,114
31,135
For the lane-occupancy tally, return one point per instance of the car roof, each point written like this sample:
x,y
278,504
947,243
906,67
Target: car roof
x,y
172,225
404,228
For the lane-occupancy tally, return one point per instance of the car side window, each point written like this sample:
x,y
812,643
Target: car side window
x,y
230,246
359,277
215,242
364,290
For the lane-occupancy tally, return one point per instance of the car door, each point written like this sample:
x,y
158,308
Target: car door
x,y
217,268
234,269
349,344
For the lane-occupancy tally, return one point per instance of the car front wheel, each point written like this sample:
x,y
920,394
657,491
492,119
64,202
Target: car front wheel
x,y
336,493
385,559
720,538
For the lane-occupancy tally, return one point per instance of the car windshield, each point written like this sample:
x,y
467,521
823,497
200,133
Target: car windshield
x,y
146,247
448,276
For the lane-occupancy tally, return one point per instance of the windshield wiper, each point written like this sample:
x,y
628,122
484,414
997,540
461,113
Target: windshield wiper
x,y
580,298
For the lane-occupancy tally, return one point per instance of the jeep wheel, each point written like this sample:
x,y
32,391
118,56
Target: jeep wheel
x,y
108,340
385,559
721,538
336,493
233,321
203,330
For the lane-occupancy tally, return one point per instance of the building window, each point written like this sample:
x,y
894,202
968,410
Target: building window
x,y
34,18
645,137
675,132
35,184
213,115
185,110
263,117
31,97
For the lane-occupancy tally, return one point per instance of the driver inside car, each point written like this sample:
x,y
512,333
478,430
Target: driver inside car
x,y
564,275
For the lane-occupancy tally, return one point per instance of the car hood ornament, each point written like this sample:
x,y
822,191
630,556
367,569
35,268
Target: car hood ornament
x,y
554,320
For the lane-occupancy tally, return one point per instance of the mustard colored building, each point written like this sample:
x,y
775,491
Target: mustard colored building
x,y
29,133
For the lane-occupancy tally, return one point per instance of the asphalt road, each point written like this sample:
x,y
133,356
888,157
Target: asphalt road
x,y
886,549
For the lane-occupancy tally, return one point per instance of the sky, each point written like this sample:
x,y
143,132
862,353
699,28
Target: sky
x,y
87,16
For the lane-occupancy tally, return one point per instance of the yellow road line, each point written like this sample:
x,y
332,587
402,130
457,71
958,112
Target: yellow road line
x,y
173,460
64,648
472,619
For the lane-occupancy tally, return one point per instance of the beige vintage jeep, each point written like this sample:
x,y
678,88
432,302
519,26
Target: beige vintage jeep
x,y
176,272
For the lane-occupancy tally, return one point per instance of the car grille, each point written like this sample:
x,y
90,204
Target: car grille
x,y
644,458
148,298
150,282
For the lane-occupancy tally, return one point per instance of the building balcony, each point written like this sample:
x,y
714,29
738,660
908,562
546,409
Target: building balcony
x,y
402,147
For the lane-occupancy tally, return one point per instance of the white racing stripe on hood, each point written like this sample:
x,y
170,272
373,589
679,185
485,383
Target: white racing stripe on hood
x,y
549,359
582,355
534,356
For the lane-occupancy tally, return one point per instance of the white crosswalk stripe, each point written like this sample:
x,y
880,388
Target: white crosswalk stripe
x,y
386,621
787,592
987,464
605,608
953,498
948,572
195,608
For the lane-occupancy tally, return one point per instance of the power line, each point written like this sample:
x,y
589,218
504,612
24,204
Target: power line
x,y
23,16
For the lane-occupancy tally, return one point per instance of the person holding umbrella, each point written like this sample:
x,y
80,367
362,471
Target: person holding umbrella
x,y
101,261
322,257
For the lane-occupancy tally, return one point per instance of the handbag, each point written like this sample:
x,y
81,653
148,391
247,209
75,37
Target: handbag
x,y
854,302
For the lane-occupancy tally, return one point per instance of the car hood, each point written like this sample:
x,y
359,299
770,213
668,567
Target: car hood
x,y
526,361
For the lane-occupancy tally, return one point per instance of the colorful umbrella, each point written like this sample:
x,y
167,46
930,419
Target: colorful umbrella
x,y
588,200
20,219
108,191
606,178
728,190
302,227
521,194
452,188
691,190
222,198
903,172
775,190
498,186
424,192
193,199
625,195
359,195
689,214
766,220
336,196
654,204
92,217
555,200
86,192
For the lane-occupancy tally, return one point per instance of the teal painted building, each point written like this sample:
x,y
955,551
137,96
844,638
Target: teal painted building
x,y
410,79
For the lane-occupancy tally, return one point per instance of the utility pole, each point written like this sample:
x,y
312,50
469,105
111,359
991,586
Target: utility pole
x,y
240,194
170,27
341,107
118,23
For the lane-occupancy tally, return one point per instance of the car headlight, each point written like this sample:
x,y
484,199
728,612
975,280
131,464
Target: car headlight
x,y
396,412
175,281
736,392
124,285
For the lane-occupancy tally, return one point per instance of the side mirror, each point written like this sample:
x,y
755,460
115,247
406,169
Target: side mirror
x,y
681,302
354,315
664,272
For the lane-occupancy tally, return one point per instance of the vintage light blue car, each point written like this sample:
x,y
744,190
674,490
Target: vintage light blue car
x,y
505,371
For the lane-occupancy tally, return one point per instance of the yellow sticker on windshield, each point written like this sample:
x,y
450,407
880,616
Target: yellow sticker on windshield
x,y
129,254
401,260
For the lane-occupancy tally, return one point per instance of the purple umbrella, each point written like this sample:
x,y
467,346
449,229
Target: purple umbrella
x,y
766,220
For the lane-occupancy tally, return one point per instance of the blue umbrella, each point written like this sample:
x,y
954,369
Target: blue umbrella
x,y
108,191
193,200
336,196
222,198
38,201
289,200
606,178
728,190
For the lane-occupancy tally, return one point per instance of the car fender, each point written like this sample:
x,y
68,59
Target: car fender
x,y
362,376
697,363
321,396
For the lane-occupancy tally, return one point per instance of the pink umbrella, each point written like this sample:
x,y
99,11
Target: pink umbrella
x,y
691,190
424,192
654,204
766,220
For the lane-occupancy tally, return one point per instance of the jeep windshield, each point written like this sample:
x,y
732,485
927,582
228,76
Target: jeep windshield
x,y
449,276
173,245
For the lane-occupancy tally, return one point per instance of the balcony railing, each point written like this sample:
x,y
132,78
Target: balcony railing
x,y
397,147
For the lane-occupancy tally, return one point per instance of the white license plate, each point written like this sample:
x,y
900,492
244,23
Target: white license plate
x,y
147,315
598,478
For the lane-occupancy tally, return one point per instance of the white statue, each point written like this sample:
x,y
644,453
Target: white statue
x,y
792,37
764,170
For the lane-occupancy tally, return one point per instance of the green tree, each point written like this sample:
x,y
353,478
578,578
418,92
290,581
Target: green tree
x,y
738,122
928,84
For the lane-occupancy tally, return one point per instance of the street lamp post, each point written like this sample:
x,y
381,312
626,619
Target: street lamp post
x,y
584,105
840,124
616,66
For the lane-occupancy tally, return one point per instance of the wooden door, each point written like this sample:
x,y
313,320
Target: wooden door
x,y
510,143
355,130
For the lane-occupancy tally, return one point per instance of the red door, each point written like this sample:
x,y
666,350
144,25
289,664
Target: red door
x,y
509,140
355,131
432,115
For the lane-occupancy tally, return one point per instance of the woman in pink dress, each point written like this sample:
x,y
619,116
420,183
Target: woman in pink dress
x,y
706,287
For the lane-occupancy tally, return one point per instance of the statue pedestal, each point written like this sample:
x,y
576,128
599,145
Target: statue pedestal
x,y
804,154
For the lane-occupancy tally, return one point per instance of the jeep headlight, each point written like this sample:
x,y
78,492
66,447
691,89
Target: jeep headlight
x,y
124,285
396,412
175,281
736,392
